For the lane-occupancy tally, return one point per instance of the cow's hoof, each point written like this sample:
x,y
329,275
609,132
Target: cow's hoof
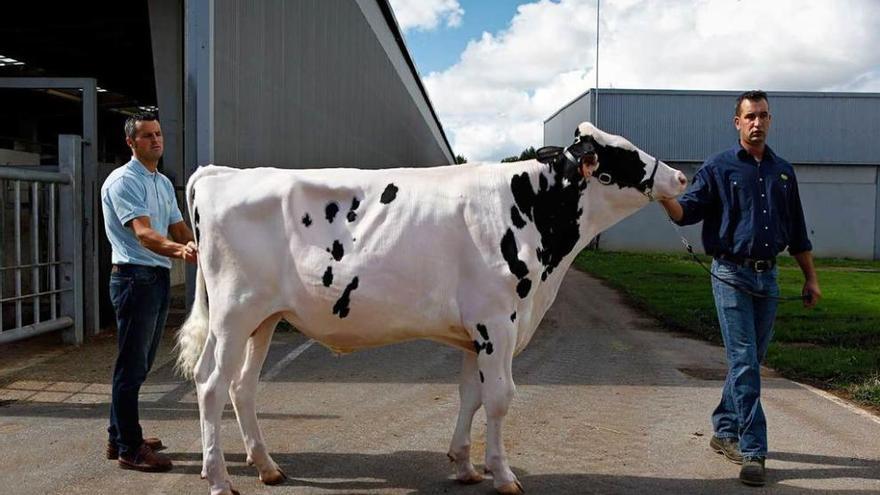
x,y
275,477
512,488
250,462
471,478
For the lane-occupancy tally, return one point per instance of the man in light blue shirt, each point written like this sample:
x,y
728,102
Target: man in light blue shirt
x,y
145,229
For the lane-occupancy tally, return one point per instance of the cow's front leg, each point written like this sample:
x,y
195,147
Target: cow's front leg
x,y
495,347
470,401
243,393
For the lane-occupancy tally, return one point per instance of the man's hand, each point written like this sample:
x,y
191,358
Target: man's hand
x,y
189,252
811,293
160,244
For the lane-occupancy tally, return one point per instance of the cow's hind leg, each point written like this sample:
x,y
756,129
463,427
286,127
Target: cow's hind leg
x,y
203,370
231,332
495,345
243,393
470,402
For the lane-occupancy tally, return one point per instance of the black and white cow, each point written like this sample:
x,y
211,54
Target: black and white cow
x,y
468,255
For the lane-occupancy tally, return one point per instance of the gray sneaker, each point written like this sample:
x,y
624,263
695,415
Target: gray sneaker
x,y
728,447
752,472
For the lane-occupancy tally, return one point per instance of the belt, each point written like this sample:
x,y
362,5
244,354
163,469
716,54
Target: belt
x,y
122,267
757,265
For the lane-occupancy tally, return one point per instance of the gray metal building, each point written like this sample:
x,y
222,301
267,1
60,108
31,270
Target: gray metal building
x,y
290,84
832,139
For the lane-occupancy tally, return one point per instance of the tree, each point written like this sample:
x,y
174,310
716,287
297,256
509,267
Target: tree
x,y
459,159
527,154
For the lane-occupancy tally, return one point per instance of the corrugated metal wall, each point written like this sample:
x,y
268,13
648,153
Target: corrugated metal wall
x,y
831,138
316,83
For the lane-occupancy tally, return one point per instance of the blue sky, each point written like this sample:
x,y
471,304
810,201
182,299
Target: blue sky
x,y
496,69
440,48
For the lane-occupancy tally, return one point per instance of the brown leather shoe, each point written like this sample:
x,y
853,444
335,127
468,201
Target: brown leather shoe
x,y
145,459
154,443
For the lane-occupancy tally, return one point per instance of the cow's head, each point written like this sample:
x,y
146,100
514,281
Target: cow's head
x,y
622,177
612,161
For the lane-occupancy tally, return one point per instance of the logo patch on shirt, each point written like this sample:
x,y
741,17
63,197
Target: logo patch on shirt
x,y
783,176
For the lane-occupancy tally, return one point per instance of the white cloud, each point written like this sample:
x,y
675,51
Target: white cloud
x,y
426,15
493,101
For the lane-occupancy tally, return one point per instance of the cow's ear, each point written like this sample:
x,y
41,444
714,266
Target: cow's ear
x,y
548,154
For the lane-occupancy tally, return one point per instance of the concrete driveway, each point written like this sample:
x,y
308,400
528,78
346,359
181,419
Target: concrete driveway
x,y
607,402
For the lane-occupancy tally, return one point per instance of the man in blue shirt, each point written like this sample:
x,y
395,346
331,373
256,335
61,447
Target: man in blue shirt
x,y
747,198
140,214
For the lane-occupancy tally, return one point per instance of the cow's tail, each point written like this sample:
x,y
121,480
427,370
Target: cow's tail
x,y
192,335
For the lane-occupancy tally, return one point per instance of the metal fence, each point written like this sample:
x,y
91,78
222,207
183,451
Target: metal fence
x,y
41,247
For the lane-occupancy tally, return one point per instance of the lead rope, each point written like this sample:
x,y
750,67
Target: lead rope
x,y
690,250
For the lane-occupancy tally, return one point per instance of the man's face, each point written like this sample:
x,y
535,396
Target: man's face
x,y
753,121
147,142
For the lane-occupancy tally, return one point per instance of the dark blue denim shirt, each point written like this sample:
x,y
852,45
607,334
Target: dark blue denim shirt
x,y
748,209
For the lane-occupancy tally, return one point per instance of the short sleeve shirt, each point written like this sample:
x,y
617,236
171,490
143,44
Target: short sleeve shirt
x,y
132,191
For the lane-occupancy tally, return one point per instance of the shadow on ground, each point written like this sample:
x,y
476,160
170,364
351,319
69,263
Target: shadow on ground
x,y
428,473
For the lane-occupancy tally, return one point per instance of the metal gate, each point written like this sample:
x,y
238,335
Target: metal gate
x,y
41,247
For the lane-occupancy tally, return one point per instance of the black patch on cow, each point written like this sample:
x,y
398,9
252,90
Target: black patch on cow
x,y
341,307
518,221
196,221
483,331
516,265
389,194
624,166
555,210
328,277
523,193
513,316
485,345
482,379
331,210
352,216
307,220
509,251
337,252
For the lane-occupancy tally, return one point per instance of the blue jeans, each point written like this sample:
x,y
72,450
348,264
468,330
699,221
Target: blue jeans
x,y
140,296
747,326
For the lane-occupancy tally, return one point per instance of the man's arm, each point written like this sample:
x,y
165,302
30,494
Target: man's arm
x,y
181,233
693,205
811,280
159,244
673,209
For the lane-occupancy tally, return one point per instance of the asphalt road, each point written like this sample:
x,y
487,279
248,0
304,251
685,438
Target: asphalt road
x,y
607,402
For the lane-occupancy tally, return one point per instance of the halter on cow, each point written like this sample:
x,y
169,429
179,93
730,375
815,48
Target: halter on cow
x,y
451,254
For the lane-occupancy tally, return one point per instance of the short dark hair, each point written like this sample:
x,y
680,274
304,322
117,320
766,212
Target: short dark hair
x,y
754,95
134,119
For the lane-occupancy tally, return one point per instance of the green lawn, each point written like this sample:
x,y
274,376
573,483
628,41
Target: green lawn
x,y
835,346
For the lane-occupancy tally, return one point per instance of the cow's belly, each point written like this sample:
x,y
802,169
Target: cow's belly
x,y
383,324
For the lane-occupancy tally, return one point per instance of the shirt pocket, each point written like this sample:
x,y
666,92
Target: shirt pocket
x,y
739,193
